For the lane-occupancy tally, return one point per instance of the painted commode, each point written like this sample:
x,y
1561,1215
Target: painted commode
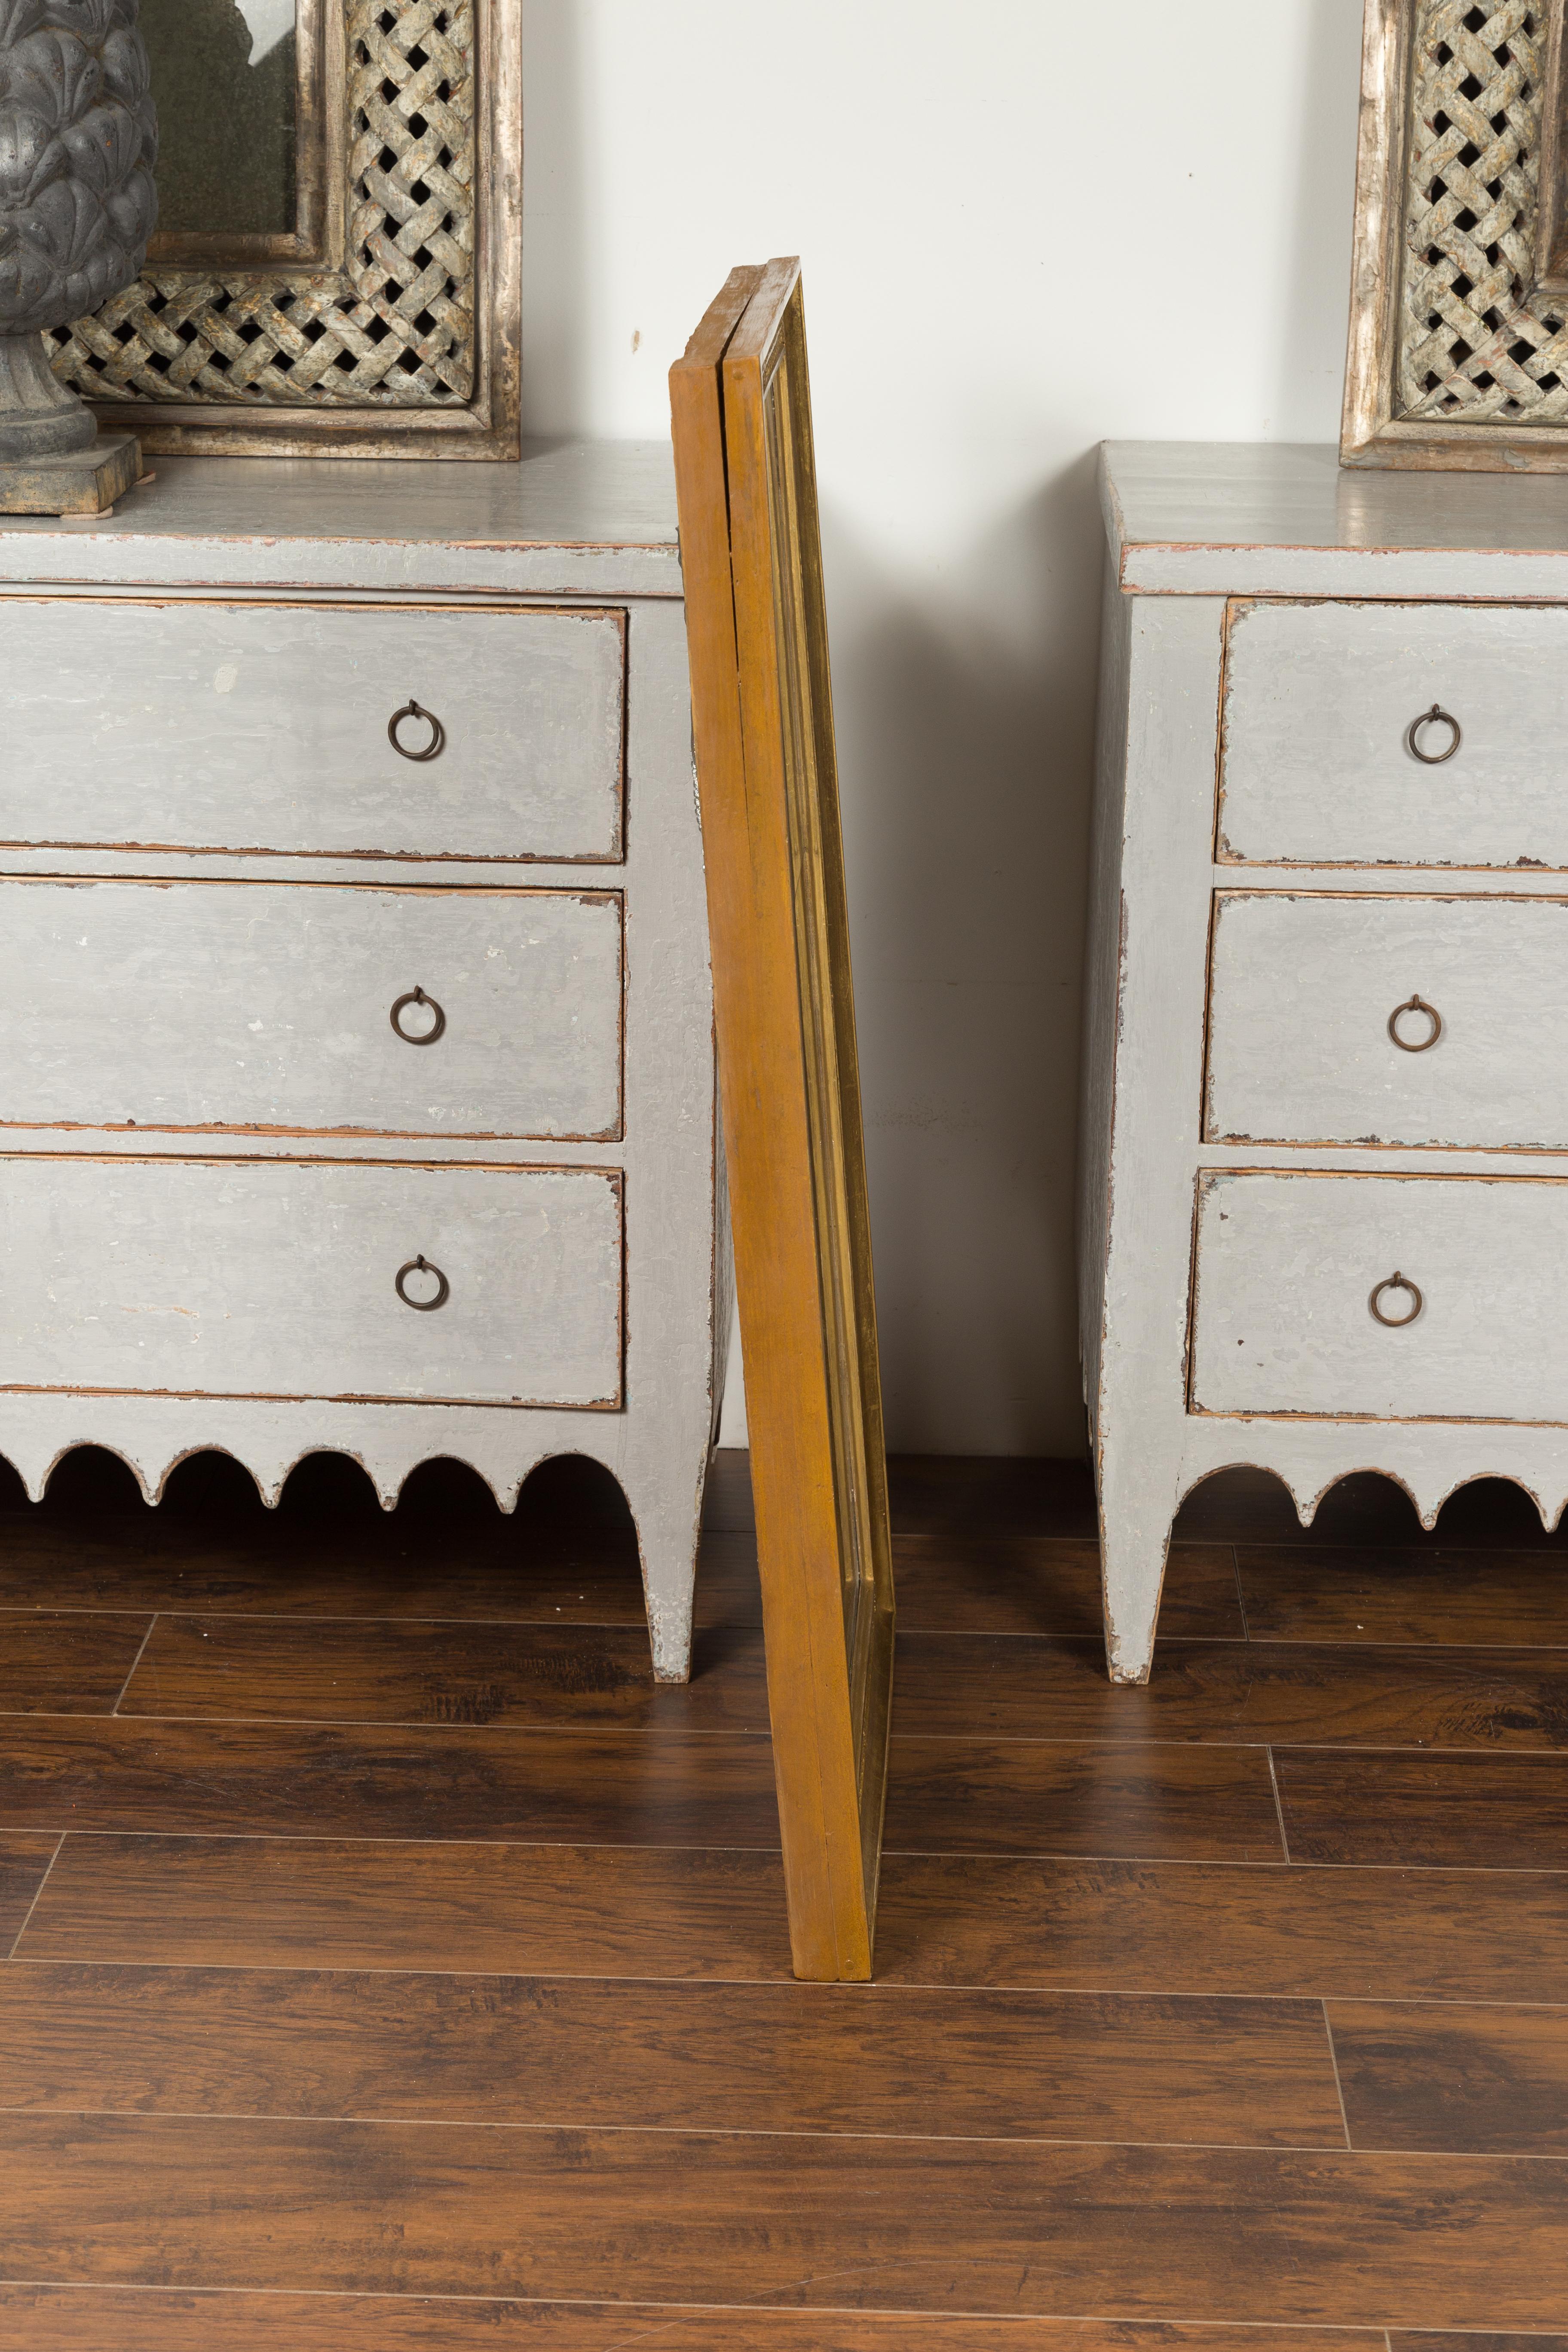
x,y
356,1072
1323,1213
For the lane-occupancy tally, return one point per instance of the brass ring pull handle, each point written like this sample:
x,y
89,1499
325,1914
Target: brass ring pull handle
x,y
435,746
1395,1282
1435,717
1417,1004
428,1036
423,1306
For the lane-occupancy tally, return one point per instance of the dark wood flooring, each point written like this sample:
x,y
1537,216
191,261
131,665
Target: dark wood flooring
x,y
393,1967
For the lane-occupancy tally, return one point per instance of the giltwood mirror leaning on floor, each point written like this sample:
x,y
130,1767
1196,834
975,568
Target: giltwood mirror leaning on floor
x,y
762,724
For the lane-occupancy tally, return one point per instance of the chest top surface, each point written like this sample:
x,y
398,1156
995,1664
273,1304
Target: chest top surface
x,y
1208,519
572,519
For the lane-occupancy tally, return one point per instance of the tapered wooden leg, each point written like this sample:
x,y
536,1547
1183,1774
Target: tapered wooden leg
x,y
668,1511
1137,1506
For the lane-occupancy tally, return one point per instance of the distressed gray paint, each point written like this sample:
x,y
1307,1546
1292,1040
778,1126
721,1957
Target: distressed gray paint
x,y
198,725
1319,699
1286,1265
596,522
192,1005
1149,931
582,518
1303,989
1097,1110
224,1278
1269,518
1192,529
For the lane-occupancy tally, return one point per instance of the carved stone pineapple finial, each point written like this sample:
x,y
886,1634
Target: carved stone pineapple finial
x,y
78,137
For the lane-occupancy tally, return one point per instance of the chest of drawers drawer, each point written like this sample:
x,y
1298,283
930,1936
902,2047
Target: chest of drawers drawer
x,y
1313,1036
1293,1272
1317,766
235,1278
264,728
205,1005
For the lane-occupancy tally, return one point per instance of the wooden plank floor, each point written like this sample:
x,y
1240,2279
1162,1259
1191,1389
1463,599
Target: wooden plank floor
x,y
393,1967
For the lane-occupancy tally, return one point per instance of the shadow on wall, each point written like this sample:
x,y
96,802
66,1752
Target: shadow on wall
x,y
965,717
965,681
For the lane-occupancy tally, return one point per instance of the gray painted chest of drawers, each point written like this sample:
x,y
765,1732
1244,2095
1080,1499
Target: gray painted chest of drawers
x,y
352,1100
1324,1215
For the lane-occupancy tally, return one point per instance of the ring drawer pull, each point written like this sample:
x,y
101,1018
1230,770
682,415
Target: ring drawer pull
x,y
1429,1014
443,1287
1435,717
428,1036
437,744
1395,1282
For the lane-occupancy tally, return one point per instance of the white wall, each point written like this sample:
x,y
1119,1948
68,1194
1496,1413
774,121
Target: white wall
x,y
1027,226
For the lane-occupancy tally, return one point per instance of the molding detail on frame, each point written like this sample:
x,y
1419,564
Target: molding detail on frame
x,y
393,327
1481,340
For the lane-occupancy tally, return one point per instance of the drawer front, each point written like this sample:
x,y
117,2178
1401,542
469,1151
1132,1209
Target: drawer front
x,y
1286,1269
1301,993
192,1005
264,727
278,1279
1319,699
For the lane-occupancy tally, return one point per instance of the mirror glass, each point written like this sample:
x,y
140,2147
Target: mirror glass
x,y
225,76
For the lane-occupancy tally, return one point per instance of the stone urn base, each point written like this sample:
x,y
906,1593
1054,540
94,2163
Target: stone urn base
x,y
40,416
52,458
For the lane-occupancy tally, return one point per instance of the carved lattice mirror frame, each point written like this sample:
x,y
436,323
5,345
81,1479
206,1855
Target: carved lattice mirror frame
x,y
1459,331
390,324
